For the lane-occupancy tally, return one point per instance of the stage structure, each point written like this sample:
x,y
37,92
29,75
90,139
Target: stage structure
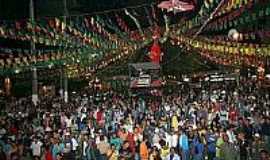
x,y
145,79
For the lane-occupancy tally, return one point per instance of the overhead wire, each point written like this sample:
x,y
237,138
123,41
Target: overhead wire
x,y
84,14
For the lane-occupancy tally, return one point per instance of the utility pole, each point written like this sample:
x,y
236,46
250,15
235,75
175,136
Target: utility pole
x,y
33,51
63,69
65,10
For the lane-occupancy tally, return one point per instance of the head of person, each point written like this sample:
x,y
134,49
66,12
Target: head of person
x,y
102,138
225,138
59,156
264,155
257,136
112,147
172,151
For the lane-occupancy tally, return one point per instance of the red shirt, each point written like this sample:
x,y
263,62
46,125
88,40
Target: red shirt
x,y
233,114
13,130
99,116
48,155
130,139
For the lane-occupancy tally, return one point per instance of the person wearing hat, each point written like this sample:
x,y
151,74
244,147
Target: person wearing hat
x,y
257,146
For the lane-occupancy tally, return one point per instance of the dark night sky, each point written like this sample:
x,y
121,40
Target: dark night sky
x,y
19,9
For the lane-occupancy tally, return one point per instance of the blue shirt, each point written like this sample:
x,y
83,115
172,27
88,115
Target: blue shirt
x,y
199,148
183,142
211,143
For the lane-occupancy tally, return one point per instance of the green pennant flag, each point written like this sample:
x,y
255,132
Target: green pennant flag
x,y
247,19
261,13
267,11
235,22
230,23
254,16
2,31
241,20
225,25
253,36
47,42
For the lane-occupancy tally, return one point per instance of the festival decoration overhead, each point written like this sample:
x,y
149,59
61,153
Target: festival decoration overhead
x,y
227,33
176,6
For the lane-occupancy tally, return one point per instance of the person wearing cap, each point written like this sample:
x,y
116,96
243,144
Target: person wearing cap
x,y
257,146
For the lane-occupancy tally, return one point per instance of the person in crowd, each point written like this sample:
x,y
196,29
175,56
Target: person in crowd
x,y
103,147
36,148
144,152
227,123
227,150
257,146
112,153
243,146
184,145
264,155
173,155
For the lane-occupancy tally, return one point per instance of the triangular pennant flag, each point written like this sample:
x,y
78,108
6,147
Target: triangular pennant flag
x,y
241,20
267,11
57,23
2,32
52,23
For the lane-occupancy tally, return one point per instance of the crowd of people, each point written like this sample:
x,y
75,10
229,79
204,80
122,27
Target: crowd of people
x,y
222,123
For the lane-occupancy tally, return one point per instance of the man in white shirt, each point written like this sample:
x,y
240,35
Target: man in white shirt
x,y
174,139
231,135
36,148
